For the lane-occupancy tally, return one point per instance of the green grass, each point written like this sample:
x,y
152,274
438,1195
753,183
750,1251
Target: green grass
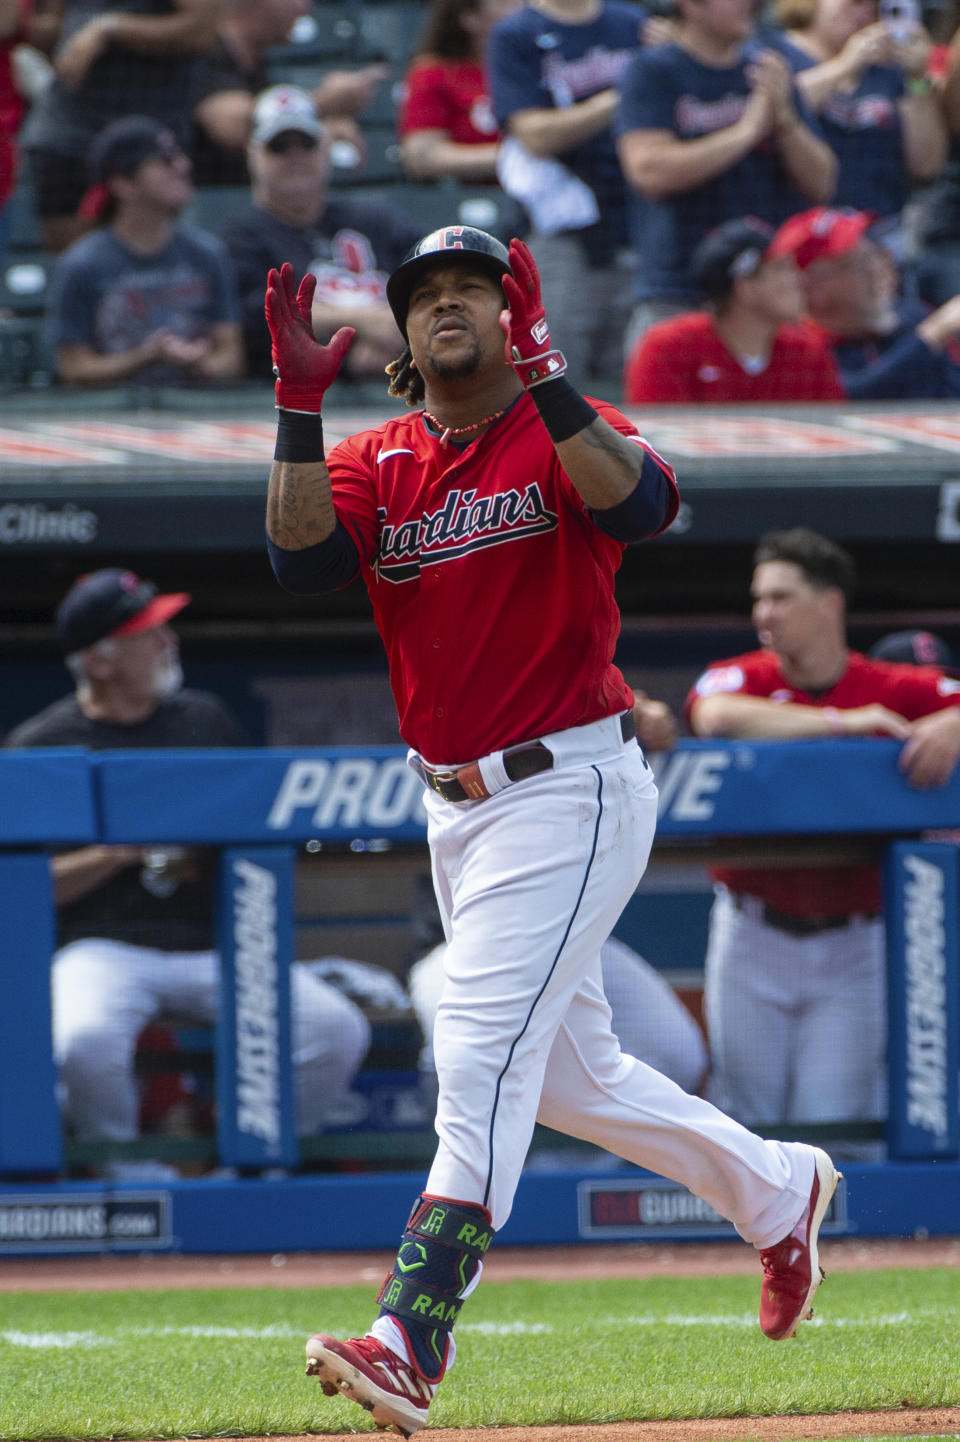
x,y
229,1363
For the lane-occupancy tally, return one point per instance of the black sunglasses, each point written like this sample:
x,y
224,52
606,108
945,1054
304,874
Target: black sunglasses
x,y
289,140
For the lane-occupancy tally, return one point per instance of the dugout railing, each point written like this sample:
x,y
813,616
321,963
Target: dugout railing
x,y
260,807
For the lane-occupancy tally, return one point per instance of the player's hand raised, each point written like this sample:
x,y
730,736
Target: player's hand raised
x,y
524,322
304,368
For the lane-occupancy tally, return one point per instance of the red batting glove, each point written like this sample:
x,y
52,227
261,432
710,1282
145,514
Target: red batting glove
x,y
525,322
303,367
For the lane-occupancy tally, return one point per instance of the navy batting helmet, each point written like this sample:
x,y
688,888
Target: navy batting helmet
x,y
450,242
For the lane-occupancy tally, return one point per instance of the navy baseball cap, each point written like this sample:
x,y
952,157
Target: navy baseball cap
x,y
126,143
915,648
112,602
736,248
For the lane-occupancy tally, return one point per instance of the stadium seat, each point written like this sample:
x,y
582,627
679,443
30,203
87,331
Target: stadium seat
x,y
25,358
390,31
330,32
213,204
449,202
382,162
24,279
24,229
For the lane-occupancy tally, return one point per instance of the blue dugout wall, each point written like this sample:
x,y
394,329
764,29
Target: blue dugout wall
x,y
260,806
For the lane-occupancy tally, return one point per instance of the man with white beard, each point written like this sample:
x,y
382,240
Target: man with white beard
x,y
135,923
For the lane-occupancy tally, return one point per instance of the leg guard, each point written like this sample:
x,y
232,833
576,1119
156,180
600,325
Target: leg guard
x,y
437,1267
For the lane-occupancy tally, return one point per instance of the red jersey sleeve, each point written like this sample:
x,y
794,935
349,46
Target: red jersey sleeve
x,y
425,104
753,674
659,367
915,691
353,470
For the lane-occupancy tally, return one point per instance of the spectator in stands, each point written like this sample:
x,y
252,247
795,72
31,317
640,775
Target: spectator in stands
x,y
649,1019
135,923
749,345
795,966
14,19
888,347
867,83
938,229
237,70
446,124
110,62
144,298
555,69
352,245
710,127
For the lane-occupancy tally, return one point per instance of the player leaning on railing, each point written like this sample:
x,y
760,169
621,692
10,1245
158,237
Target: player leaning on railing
x,y
488,527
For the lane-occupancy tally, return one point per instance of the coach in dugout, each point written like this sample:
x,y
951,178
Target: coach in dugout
x,y
135,923
795,994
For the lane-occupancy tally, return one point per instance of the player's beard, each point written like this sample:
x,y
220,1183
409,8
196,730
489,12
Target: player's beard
x,y
466,365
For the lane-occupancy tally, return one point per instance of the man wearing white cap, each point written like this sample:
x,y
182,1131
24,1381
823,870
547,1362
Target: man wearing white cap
x,y
135,923
350,245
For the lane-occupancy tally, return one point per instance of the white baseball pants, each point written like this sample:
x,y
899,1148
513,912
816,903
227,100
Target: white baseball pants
x,y
530,883
798,1025
105,992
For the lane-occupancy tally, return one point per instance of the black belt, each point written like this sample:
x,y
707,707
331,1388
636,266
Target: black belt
x,y
519,762
795,925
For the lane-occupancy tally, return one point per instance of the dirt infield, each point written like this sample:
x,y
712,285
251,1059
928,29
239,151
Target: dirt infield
x,y
546,1264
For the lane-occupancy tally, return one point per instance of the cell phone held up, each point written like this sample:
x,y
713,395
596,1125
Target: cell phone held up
x,y
901,18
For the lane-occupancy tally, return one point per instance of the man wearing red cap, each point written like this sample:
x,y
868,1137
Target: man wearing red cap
x,y
888,347
747,346
135,924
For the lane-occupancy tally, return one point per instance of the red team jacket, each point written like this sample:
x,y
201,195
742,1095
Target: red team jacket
x,y
492,587
912,691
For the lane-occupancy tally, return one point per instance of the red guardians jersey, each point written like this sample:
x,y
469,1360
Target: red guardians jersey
x,y
911,691
492,587
684,360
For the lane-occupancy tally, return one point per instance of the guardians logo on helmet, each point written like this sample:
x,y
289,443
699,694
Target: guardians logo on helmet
x,y
452,242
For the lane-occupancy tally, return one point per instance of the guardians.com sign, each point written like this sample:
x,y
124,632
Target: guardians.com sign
x,y
82,1223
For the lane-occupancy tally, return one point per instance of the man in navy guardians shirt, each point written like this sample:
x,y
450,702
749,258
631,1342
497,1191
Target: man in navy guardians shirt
x,y
710,127
555,68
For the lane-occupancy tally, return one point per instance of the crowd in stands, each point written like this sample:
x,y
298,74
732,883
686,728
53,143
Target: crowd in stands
x,y
726,202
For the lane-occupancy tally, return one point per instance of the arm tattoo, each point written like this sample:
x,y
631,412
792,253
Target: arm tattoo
x,y
601,436
299,505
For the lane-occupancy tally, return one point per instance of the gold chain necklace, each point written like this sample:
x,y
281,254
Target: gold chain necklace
x,y
449,431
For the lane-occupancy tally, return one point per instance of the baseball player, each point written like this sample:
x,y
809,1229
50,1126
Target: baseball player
x,y
795,994
646,1014
488,526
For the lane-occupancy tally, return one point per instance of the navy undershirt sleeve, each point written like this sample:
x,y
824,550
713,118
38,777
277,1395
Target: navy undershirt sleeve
x,y
324,567
644,511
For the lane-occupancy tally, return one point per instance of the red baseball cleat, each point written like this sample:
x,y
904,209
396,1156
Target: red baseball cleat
x,y
791,1269
390,1389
